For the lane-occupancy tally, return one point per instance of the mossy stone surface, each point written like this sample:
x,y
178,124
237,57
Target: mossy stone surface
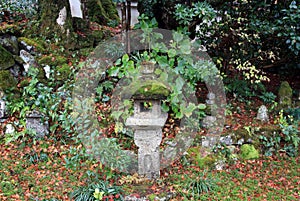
x,y
285,94
6,59
7,81
39,46
52,60
152,89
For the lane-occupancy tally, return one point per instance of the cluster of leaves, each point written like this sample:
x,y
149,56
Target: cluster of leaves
x,y
235,34
287,140
99,190
49,97
13,9
243,90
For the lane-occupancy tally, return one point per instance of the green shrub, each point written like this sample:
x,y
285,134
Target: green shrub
x,y
248,151
287,140
95,190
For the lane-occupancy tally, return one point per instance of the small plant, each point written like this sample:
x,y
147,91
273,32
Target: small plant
x,y
99,190
268,97
193,186
35,158
288,140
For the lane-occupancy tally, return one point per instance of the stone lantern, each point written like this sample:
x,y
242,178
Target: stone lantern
x,y
147,121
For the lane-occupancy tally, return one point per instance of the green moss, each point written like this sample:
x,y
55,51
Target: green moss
x,y
285,94
202,157
153,88
6,59
111,10
7,81
37,44
248,151
52,60
98,35
63,72
102,11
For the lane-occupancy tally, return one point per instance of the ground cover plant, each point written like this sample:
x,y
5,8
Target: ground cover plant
x,y
265,165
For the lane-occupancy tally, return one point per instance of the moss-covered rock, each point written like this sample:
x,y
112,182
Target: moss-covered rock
x,y
7,81
285,95
52,60
6,59
248,151
39,46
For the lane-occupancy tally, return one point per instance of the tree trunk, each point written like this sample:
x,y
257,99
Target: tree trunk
x,y
70,31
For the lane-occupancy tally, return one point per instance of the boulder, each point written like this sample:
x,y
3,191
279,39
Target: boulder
x,y
285,95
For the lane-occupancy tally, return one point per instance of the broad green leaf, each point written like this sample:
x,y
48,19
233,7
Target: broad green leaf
x,y
201,106
125,58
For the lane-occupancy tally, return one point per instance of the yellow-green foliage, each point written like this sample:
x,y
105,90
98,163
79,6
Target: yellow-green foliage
x,y
52,60
285,94
37,44
248,151
6,59
7,81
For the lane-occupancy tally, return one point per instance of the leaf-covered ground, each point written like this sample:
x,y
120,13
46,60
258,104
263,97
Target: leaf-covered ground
x,y
46,169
